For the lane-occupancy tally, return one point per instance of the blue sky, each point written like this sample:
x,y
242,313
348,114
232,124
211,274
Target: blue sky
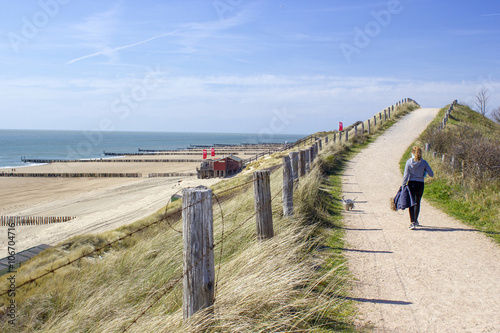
x,y
278,66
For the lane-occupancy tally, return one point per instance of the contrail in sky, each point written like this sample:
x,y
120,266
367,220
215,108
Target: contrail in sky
x,y
120,47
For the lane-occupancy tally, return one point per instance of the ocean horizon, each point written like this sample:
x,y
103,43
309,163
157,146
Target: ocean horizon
x,y
74,144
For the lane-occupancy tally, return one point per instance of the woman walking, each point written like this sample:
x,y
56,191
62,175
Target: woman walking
x,y
416,169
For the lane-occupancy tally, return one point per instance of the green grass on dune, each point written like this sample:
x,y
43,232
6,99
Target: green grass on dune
x,y
476,204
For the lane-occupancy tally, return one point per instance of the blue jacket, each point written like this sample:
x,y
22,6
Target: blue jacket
x,y
404,199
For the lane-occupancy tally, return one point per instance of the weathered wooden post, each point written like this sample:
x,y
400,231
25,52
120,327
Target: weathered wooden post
x,y
334,137
427,147
326,140
363,128
287,187
320,144
294,160
380,115
385,115
197,230
340,137
375,120
356,130
389,112
262,197
369,127
302,163
347,136
309,158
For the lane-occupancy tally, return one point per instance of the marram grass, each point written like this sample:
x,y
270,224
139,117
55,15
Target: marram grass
x,y
294,282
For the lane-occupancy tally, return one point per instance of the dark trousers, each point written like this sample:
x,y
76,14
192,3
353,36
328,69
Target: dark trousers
x,y
417,190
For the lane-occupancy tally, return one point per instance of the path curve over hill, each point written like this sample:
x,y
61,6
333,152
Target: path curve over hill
x,y
442,277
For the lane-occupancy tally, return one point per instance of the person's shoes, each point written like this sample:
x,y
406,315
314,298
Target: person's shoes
x,y
412,226
417,224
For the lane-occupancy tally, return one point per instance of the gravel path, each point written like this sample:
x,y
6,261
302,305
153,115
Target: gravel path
x,y
442,277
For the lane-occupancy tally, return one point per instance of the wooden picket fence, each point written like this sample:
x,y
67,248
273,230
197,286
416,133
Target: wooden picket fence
x,y
32,220
71,175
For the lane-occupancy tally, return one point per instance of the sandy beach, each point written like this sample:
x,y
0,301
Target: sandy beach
x,y
99,204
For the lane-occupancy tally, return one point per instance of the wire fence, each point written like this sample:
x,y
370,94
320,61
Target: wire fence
x,y
170,285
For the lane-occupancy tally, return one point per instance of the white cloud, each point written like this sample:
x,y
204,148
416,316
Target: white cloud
x,y
241,103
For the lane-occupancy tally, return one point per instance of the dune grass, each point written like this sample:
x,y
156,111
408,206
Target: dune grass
x,y
281,284
296,281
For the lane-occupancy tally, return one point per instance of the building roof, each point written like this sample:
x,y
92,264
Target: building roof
x,y
234,158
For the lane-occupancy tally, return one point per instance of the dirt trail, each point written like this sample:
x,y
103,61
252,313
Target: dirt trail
x,y
442,277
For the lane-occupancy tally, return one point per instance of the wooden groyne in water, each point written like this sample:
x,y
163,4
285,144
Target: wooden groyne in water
x,y
72,175
32,220
172,174
111,160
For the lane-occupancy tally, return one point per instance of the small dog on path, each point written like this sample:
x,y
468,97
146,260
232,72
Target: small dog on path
x,y
348,203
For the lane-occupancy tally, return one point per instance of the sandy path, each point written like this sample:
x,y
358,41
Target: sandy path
x,y
443,277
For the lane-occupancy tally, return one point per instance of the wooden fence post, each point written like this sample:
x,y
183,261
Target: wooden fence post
x,y
326,140
302,163
309,158
294,159
262,197
287,187
363,128
375,120
197,230
334,137
369,127
346,135
356,130
385,115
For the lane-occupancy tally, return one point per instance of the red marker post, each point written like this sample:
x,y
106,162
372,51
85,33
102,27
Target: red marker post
x,y
341,126
204,154
212,153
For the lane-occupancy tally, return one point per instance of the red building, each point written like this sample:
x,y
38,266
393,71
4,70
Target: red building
x,y
220,167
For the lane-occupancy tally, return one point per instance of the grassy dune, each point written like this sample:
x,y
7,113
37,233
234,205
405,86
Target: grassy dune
x,y
295,281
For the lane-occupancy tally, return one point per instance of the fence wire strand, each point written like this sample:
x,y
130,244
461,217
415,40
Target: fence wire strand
x,y
98,249
170,287
171,284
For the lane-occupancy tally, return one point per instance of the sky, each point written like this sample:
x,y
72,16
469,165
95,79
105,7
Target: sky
x,y
238,66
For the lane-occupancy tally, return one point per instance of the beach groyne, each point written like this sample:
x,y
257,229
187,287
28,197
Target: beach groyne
x,y
111,160
32,220
71,175
172,174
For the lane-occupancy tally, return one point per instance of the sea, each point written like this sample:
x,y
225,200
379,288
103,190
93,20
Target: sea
x,y
48,144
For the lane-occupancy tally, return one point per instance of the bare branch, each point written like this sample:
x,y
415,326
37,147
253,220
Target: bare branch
x,y
481,99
